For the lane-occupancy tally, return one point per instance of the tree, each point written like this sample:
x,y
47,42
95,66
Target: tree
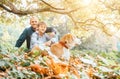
x,y
84,14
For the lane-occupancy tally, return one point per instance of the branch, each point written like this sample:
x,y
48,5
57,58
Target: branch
x,y
8,6
15,11
89,22
59,10
75,23
5,8
102,26
108,6
52,6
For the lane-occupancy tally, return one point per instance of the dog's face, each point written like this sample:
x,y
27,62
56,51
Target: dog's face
x,y
70,40
61,49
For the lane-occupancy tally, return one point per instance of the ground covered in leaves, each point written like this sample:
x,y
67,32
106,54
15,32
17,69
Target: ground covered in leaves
x,y
16,64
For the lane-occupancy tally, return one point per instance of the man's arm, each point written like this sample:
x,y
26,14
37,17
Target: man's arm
x,y
21,39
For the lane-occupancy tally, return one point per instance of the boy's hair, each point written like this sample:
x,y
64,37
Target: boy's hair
x,y
42,23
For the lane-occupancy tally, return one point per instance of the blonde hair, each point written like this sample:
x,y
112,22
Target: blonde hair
x,y
42,23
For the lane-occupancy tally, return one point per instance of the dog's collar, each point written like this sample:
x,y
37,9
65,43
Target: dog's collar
x,y
63,44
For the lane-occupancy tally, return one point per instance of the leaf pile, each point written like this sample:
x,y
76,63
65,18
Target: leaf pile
x,y
82,65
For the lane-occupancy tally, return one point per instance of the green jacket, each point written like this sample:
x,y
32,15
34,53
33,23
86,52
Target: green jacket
x,y
26,35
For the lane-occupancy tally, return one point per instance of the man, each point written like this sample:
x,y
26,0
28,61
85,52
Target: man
x,y
26,34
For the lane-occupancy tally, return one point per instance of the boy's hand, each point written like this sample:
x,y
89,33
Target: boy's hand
x,y
48,43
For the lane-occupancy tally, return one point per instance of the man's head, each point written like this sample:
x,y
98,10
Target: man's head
x,y
34,22
42,27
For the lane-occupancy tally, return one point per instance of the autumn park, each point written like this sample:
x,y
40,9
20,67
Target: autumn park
x,y
59,39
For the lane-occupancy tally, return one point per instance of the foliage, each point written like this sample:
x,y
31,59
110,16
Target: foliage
x,y
96,22
89,64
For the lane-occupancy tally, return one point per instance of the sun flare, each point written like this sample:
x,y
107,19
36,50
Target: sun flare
x,y
86,2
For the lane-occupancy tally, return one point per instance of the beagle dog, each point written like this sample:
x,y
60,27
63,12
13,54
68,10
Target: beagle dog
x,y
61,48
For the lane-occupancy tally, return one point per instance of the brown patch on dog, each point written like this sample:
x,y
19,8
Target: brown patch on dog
x,y
67,41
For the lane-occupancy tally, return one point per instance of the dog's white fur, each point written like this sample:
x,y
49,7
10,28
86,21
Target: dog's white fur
x,y
62,48
67,42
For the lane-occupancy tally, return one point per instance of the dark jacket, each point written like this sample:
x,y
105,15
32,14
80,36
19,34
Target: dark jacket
x,y
26,35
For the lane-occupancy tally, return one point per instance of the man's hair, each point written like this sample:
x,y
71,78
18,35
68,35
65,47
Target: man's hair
x,y
34,17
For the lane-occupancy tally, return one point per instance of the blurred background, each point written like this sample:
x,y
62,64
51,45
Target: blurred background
x,y
96,22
